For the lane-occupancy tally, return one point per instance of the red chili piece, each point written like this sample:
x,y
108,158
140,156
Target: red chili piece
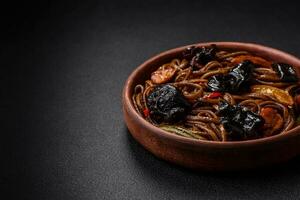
x,y
214,95
146,112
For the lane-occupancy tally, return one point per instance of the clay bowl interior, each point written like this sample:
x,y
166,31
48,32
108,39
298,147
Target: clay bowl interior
x,y
209,155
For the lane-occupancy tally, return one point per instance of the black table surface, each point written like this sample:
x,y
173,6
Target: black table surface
x,y
67,63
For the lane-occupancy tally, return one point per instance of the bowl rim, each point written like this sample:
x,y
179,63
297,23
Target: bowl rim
x,y
128,105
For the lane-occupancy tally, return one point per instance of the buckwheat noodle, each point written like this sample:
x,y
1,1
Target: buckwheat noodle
x,y
202,122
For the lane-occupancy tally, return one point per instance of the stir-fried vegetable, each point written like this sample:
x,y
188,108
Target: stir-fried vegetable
x,y
216,94
280,95
256,60
182,131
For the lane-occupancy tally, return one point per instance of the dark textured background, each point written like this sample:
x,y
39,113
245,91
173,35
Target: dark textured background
x,y
66,64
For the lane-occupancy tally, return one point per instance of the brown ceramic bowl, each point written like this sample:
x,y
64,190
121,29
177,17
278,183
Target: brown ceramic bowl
x,y
209,155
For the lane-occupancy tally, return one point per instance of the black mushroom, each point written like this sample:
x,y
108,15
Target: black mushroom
x,y
200,55
167,104
240,123
234,81
190,52
221,83
285,72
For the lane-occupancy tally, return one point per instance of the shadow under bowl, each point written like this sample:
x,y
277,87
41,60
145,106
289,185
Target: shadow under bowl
x,y
209,155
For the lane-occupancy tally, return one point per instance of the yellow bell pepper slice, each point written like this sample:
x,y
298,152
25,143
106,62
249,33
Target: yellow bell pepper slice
x,y
279,94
